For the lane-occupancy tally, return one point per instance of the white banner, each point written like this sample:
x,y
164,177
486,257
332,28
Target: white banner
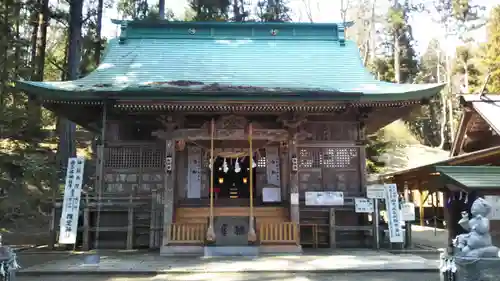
x,y
71,204
393,214
363,205
324,198
408,212
375,191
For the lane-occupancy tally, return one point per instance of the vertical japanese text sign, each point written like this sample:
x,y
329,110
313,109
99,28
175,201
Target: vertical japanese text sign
x,y
71,203
393,213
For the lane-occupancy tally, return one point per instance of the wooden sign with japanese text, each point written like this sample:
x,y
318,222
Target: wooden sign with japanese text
x,y
71,203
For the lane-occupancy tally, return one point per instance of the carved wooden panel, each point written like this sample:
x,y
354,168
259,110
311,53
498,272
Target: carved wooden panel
x,y
134,168
310,180
333,169
273,165
194,172
132,182
332,131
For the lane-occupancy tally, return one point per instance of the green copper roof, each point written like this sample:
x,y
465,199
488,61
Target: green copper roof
x,y
235,61
471,177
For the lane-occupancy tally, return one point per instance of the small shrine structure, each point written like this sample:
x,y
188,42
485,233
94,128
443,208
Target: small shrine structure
x,y
246,135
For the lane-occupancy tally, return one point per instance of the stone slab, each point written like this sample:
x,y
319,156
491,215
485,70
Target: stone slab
x,y
152,263
231,251
181,251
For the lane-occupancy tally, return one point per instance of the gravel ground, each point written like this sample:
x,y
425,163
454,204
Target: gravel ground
x,y
379,276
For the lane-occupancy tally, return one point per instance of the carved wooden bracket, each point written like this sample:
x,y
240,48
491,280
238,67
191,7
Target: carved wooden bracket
x,y
292,120
171,122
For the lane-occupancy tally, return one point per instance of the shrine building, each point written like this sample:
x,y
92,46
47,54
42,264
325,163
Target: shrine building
x,y
220,137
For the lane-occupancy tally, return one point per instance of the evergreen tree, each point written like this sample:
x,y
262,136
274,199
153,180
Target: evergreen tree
x,y
492,51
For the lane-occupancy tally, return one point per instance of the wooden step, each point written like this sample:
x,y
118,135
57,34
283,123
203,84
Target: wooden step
x,y
200,215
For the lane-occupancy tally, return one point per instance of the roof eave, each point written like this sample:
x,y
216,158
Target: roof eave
x,y
215,94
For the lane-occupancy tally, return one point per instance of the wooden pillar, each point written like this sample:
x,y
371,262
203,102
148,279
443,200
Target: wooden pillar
x,y
252,236
130,225
421,208
284,170
333,239
294,179
210,229
408,223
153,220
52,226
168,209
86,225
100,171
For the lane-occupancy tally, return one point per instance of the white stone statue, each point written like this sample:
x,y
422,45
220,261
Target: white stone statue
x,y
477,242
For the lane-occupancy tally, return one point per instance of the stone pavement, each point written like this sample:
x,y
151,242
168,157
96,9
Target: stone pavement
x,y
429,237
151,262
254,276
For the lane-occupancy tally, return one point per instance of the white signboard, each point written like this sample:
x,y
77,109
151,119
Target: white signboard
x,y
71,203
325,198
408,212
363,205
271,194
294,198
392,206
495,206
375,191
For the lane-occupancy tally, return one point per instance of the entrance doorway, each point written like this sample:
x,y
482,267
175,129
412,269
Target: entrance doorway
x,y
232,180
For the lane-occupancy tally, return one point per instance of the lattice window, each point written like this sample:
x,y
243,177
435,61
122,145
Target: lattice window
x,y
310,158
153,157
341,158
134,157
122,157
261,161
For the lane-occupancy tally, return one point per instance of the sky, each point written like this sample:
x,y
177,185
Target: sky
x,y
324,11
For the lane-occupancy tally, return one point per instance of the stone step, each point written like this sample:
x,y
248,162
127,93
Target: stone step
x,y
228,251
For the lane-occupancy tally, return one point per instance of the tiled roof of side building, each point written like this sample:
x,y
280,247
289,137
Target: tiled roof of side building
x,y
196,61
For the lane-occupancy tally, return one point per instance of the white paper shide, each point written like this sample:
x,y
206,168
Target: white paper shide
x,y
71,204
363,205
392,205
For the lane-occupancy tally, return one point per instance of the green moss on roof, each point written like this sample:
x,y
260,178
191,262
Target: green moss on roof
x,y
234,61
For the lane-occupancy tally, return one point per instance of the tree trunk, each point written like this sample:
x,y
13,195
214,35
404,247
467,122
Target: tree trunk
x,y
5,69
236,11
397,56
162,9
18,50
373,34
67,145
43,24
443,120
34,110
98,45
466,78
451,118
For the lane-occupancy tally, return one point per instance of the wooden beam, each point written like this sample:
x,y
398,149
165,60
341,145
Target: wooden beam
x,y
462,130
224,134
